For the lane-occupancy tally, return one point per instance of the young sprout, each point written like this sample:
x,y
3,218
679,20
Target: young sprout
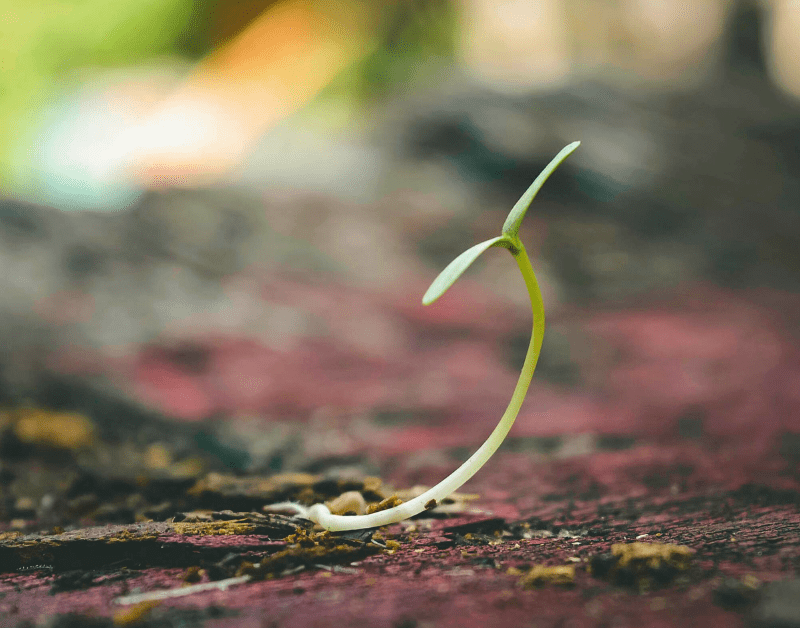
x,y
508,239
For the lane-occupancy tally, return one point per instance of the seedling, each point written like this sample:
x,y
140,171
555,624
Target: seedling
x,y
509,239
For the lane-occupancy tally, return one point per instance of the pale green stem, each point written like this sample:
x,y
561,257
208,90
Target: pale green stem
x,y
335,523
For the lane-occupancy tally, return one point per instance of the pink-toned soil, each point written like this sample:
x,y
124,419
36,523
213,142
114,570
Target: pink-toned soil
x,y
684,430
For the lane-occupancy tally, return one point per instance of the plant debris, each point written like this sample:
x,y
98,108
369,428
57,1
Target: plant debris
x,y
643,565
385,504
308,550
561,575
348,503
142,544
135,614
45,428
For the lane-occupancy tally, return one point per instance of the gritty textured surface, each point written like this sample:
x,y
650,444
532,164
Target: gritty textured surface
x,y
726,525
104,499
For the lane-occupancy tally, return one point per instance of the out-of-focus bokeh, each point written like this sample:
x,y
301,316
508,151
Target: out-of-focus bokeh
x,y
218,219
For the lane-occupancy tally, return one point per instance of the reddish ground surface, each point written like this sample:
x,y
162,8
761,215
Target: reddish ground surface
x,y
682,430
740,519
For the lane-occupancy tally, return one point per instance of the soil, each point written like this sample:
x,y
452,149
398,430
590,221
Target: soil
x,y
690,529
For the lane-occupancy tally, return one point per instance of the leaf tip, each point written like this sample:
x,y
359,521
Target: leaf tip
x,y
430,296
456,268
514,219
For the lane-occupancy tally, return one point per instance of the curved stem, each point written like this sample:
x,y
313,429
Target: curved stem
x,y
335,523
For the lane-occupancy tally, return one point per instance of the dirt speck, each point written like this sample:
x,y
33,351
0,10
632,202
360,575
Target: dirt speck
x,y
386,504
642,565
134,614
540,575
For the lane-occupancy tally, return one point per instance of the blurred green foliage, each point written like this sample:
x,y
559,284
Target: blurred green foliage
x,y
412,46
44,44
414,36
50,47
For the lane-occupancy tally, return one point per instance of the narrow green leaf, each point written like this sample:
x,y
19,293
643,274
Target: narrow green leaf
x,y
512,223
456,268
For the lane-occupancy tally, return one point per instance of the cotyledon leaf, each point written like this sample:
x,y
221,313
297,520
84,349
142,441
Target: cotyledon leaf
x,y
456,268
517,213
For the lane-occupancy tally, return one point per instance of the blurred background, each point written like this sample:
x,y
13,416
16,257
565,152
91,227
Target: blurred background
x,y
218,220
